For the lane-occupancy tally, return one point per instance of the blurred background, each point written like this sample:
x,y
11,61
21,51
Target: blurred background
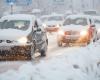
x,y
48,6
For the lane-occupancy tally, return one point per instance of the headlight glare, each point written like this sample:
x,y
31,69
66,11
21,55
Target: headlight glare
x,y
61,32
22,40
83,33
44,25
98,30
58,25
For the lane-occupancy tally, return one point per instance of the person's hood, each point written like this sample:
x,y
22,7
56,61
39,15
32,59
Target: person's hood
x,y
12,34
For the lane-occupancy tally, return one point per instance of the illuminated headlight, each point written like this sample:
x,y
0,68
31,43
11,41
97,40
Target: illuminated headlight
x,y
58,25
23,40
83,33
61,32
44,25
98,30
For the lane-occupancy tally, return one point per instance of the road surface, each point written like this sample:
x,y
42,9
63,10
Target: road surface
x,y
53,51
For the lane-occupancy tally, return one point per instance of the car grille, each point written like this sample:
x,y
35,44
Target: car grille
x,y
71,32
51,26
7,41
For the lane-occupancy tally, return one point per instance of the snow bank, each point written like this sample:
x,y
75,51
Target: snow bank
x,y
76,64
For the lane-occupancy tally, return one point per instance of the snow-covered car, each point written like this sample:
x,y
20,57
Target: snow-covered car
x,y
77,29
53,22
21,34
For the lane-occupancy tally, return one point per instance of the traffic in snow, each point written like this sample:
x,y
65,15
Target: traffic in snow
x,y
49,40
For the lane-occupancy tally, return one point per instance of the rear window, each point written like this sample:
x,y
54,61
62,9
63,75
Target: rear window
x,y
75,21
15,24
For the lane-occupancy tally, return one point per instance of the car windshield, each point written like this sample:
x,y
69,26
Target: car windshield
x,y
55,18
15,24
90,12
75,21
44,19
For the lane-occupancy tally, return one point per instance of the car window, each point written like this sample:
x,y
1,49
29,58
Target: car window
x,y
97,21
44,19
15,24
75,21
55,18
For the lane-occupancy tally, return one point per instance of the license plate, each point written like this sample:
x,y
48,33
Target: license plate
x,y
5,48
72,37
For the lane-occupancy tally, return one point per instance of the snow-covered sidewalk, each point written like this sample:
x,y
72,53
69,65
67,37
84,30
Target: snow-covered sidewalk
x,y
77,64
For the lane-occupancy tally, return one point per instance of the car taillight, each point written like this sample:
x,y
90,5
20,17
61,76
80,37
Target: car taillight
x,y
67,33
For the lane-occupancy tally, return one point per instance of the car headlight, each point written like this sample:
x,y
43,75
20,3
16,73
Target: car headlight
x,y
98,30
44,25
58,25
61,32
83,33
22,40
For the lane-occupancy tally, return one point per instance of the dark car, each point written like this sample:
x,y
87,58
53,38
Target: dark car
x,y
21,35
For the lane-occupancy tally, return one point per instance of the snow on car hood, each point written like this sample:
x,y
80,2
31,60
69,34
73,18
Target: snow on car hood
x,y
52,22
12,34
74,27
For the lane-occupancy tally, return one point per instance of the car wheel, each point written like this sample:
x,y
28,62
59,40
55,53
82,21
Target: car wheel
x,y
95,37
59,43
32,51
44,50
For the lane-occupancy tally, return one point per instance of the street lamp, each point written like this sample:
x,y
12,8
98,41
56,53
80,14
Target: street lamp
x,y
11,7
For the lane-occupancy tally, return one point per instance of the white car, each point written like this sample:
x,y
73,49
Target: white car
x,y
20,34
76,29
53,22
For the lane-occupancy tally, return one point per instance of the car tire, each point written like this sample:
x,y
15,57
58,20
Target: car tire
x,y
32,51
59,43
44,50
88,43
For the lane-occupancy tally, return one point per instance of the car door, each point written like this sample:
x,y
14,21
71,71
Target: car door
x,y
38,34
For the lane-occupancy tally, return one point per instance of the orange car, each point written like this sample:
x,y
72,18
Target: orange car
x,y
77,29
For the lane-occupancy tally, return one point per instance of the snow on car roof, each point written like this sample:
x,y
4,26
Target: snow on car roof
x,y
50,15
45,16
56,14
36,11
75,16
18,17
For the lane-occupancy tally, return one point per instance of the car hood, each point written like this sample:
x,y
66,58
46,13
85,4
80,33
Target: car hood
x,y
12,34
52,22
74,28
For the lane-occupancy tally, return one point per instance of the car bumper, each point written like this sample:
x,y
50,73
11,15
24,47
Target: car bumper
x,y
14,48
52,29
74,39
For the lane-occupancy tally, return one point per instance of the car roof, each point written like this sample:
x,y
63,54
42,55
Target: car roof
x,y
82,16
19,17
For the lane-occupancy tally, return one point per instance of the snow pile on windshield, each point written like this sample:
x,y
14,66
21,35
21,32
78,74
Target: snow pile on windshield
x,y
76,64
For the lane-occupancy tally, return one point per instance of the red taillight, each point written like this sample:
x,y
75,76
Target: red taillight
x,y
67,33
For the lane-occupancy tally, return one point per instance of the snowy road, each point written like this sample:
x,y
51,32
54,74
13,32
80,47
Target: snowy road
x,y
61,63
53,50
